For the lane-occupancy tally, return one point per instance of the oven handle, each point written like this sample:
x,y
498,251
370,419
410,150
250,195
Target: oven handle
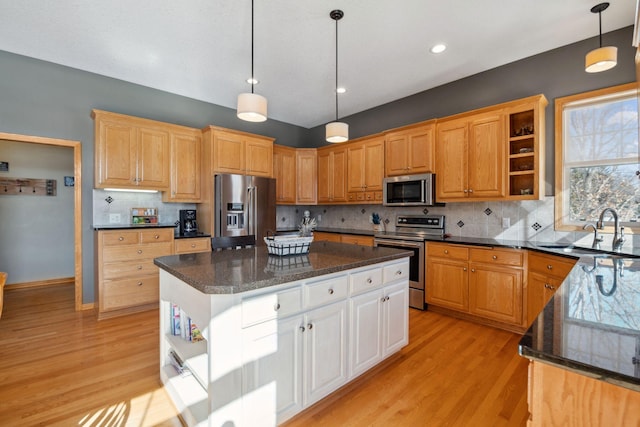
x,y
402,243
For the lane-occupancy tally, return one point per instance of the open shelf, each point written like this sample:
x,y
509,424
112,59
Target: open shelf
x,y
524,154
194,355
191,400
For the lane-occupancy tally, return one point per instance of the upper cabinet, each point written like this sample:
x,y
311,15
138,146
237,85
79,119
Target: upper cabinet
x,y
131,152
470,157
365,166
306,176
186,153
284,171
241,153
526,148
332,174
410,150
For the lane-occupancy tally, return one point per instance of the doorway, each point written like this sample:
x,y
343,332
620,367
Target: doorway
x,y
77,217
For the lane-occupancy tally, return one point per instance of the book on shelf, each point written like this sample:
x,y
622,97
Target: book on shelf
x,y
178,364
183,326
175,320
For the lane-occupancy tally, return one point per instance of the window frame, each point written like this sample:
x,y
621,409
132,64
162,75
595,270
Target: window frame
x,y
560,190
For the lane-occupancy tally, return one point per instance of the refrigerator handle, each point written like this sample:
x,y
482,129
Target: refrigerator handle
x,y
251,208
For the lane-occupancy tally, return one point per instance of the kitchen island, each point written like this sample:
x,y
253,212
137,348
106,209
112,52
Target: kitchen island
x,y
279,333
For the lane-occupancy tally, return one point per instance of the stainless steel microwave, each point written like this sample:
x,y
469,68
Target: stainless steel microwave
x,y
409,190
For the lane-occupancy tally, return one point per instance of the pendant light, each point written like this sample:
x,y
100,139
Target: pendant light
x,y
603,58
336,131
251,106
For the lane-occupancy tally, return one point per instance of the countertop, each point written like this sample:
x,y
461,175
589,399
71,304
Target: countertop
x,y
176,235
241,270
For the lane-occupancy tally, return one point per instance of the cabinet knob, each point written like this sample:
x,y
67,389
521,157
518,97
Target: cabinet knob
x,y
121,238
276,306
549,267
369,281
139,251
495,257
139,267
473,270
382,299
139,283
446,251
471,190
465,190
193,245
157,236
310,326
464,268
386,298
330,291
302,329
399,273
548,286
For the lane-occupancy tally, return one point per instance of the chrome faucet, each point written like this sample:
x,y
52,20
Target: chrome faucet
x,y
596,238
617,243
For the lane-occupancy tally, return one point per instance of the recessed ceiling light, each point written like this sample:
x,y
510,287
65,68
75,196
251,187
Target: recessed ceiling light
x,y
341,90
439,48
252,81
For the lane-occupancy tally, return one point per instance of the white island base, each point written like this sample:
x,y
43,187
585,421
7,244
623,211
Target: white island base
x,y
269,353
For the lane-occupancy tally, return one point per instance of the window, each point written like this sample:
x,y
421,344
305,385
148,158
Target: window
x,y
597,157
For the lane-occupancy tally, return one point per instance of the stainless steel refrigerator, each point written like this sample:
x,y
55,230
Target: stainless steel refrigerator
x,y
244,206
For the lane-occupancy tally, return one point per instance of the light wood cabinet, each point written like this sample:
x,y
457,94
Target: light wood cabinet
x,y
186,158
332,174
126,278
485,283
241,153
130,152
365,168
354,239
284,171
306,176
192,245
319,236
546,274
559,397
470,157
410,150
526,149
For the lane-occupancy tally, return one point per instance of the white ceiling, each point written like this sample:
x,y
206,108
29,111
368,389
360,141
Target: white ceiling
x,y
202,48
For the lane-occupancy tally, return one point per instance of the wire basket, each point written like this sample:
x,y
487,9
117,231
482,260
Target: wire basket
x,y
288,245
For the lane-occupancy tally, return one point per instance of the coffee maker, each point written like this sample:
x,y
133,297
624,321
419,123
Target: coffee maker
x,y
188,224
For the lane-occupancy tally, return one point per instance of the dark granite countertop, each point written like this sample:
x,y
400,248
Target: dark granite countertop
x,y
235,271
130,226
592,324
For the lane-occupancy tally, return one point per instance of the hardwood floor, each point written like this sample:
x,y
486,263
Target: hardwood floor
x,y
60,367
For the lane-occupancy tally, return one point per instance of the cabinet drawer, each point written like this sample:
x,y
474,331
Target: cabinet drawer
x,y
261,308
115,238
394,272
136,252
365,280
325,291
159,235
117,294
441,250
185,246
498,256
121,270
550,265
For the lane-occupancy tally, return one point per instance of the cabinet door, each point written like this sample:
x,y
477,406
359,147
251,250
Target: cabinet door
x,y
228,153
272,371
325,351
451,160
540,289
496,293
186,151
487,148
395,318
339,174
284,170
258,157
366,331
115,154
306,167
410,152
153,159
397,154
325,176
355,168
374,164
446,284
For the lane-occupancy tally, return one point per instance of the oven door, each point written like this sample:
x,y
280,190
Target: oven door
x,y
416,267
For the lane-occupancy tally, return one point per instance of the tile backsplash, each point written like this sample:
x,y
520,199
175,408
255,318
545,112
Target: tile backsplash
x,y
530,220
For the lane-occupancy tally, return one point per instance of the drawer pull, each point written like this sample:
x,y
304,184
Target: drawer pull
x,y
369,281
139,251
473,270
446,251
139,267
139,283
157,236
549,267
464,268
302,329
310,326
121,238
330,291
548,286
399,273
495,257
276,306
382,299
193,245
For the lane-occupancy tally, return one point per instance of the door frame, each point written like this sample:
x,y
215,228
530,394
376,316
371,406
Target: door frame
x,y
77,191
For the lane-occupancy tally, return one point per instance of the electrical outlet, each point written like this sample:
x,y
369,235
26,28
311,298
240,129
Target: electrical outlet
x,y
114,218
506,223
319,217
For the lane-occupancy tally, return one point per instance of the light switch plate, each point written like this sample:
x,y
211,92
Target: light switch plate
x,y
506,223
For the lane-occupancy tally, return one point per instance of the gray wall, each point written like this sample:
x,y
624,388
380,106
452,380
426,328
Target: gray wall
x,y
44,99
556,73
28,221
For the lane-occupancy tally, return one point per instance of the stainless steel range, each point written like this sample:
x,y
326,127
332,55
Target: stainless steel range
x,y
410,234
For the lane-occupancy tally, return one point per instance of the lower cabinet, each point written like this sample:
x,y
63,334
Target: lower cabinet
x,y
270,354
352,239
546,274
192,245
